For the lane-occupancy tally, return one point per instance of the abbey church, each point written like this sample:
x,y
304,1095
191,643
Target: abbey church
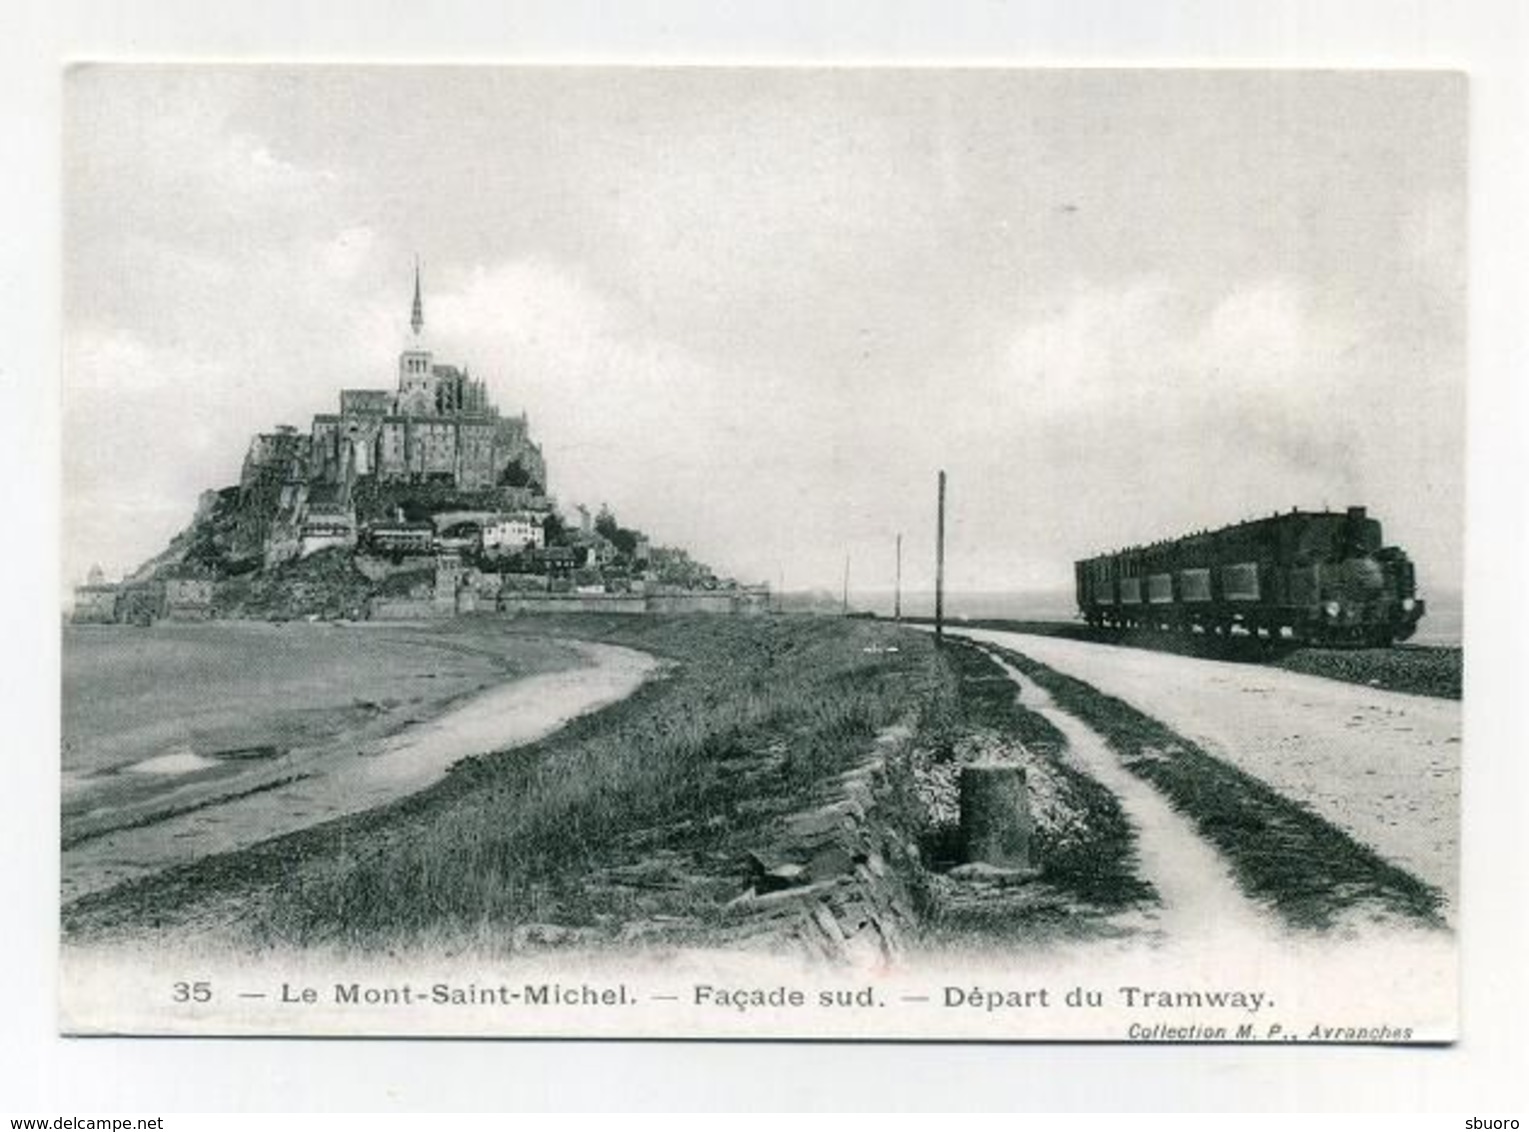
x,y
438,424
437,429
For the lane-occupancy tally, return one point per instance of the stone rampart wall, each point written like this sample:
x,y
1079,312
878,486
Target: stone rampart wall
x,y
831,883
404,609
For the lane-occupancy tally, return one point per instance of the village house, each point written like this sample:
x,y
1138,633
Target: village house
x,y
401,537
328,520
513,533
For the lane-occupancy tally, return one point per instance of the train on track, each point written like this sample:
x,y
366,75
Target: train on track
x,y
1323,577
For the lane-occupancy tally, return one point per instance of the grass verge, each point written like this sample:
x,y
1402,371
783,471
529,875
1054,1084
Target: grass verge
x,y
1309,871
1082,839
1091,853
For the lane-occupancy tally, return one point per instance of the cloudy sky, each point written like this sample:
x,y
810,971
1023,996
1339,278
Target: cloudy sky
x,y
755,310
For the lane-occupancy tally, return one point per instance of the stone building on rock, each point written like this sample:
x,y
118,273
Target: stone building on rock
x,y
437,428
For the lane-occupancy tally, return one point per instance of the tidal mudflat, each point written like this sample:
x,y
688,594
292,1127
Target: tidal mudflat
x,y
182,740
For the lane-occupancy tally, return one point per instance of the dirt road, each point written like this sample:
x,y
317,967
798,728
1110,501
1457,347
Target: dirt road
x,y
1199,899
1382,766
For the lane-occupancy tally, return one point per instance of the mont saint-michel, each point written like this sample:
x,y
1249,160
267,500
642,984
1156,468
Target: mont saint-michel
x,y
416,501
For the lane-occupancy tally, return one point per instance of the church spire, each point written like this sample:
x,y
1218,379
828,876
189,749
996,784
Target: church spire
x,y
417,319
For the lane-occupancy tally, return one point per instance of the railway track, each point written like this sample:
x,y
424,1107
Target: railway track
x,y
1424,670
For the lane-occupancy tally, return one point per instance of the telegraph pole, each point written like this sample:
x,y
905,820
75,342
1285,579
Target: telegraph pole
x,y
846,585
897,593
939,566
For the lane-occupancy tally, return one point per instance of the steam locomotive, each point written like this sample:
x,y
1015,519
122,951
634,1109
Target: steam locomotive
x,y
1319,576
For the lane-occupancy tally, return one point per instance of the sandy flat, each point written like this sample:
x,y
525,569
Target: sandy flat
x,y
1382,766
132,694
354,770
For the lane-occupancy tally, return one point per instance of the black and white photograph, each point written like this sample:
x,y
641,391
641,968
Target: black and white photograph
x,y
967,553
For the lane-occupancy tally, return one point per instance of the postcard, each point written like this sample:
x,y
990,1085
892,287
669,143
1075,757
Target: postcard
x,y
914,553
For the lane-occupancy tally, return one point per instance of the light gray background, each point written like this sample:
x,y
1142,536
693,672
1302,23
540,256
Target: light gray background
x,y
46,1074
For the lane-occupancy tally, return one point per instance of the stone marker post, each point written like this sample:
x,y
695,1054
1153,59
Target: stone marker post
x,y
995,815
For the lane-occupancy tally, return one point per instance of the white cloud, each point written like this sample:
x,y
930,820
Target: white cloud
x,y
1153,344
624,415
1098,352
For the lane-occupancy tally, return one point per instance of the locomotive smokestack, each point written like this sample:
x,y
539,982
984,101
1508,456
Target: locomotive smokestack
x,y
1356,514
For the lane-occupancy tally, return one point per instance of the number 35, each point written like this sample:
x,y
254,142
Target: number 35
x,y
193,992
